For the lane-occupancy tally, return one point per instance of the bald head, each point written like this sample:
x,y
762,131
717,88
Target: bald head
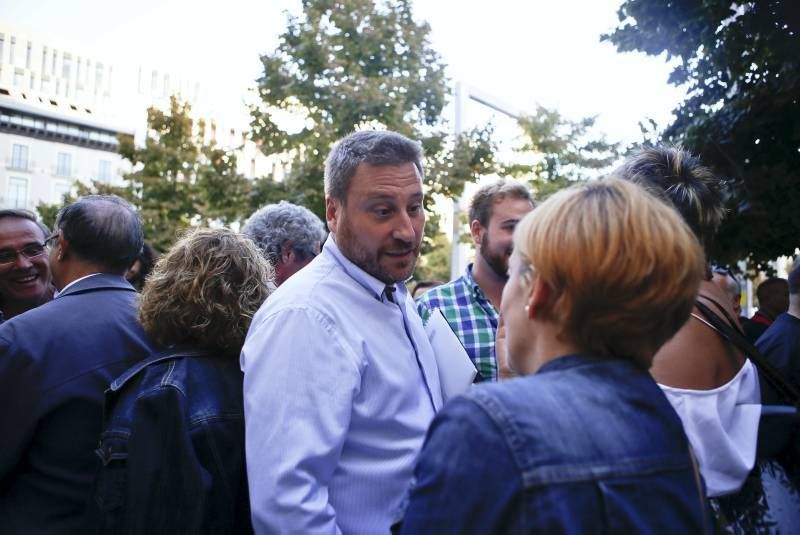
x,y
103,230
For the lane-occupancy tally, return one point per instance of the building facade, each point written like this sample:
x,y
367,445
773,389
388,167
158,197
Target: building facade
x,y
61,111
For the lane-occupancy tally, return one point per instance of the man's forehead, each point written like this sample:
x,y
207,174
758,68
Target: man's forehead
x,y
13,229
386,180
510,208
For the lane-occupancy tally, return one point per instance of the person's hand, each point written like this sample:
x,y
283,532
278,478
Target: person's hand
x,y
504,370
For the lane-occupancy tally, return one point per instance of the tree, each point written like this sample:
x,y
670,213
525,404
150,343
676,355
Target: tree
x,y
739,62
562,151
341,65
177,182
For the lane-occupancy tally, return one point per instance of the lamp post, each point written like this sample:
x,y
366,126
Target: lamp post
x,y
462,93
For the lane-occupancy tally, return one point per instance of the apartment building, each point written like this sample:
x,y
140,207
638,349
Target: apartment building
x,y
61,111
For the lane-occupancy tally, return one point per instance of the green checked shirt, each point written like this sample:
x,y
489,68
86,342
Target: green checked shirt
x,y
471,316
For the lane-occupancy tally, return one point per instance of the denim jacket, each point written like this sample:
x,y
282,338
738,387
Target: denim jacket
x,y
586,445
172,449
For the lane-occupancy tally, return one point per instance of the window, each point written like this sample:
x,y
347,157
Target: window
x,y
64,164
2,42
98,78
66,65
28,55
19,156
17,192
12,46
60,189
53,68
44,60
104,171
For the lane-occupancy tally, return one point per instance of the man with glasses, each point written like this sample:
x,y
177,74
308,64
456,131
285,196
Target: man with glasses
x,y
725,279
25,281
58,359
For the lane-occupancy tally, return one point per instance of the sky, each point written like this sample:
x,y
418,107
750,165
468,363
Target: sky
x,y
519,53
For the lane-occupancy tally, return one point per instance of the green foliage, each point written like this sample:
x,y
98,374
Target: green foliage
x,y
739,62
342,65
435,265
453,164
177,181
562,151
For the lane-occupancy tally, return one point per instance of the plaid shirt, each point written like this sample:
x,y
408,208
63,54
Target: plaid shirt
x,y
471,316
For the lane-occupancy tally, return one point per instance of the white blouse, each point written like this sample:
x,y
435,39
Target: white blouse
x,y
722,426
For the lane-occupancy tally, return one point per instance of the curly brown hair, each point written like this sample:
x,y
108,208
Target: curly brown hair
x,y
205,290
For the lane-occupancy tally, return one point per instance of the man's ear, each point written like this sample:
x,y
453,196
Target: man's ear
x,y
540,298
287,252
62,247
477,230
332,209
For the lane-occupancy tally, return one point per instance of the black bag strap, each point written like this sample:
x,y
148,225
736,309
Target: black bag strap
x,y
721,308
789,392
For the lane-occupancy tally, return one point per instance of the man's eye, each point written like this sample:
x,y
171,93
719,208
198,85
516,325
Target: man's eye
x,y
33,250
381,212
7,256
415,209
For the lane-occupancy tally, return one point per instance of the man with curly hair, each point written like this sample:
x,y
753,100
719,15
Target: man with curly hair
x,y
57,360
290,236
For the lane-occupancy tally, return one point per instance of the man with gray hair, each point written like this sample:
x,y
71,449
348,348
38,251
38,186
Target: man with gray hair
x,y
340,380
470,302
289,235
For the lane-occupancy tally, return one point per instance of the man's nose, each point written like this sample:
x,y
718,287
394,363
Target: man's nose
x,y
404,228
22,262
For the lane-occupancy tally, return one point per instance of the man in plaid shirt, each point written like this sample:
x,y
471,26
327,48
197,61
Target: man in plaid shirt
x,y
470,302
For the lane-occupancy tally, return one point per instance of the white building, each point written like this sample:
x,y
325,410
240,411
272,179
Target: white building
x,y
61,111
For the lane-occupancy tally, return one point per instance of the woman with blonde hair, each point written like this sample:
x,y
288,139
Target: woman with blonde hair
x,y
172,449
584,441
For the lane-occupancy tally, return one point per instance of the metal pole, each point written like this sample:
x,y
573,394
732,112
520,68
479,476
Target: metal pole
x,y
455,236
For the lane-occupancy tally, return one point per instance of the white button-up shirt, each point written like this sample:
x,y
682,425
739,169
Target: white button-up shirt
x,y
340,386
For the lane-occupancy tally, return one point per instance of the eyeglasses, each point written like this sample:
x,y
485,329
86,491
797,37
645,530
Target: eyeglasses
x,y
723,271
32,250
50,238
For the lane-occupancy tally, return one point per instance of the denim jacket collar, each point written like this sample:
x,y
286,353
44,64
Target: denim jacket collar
x,y
170,353
570,361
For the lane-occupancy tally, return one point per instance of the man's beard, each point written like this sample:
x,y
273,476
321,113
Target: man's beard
x,y
498,262
370,263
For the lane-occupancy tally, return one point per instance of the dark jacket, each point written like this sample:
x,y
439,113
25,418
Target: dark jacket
x,y
585,445
172,449
56,361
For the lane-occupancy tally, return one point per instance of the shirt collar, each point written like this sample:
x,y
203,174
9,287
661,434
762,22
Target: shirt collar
x,y
473,286
375,287
64,289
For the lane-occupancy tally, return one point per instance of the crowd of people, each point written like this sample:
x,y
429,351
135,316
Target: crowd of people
x,y
283,379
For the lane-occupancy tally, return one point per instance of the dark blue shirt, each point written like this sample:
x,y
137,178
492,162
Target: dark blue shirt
x,y
56,361
780,344
585,445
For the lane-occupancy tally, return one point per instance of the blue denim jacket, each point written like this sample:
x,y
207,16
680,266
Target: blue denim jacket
x,y
585,445
172,449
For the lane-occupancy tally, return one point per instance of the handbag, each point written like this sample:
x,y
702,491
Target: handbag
x,y
769,500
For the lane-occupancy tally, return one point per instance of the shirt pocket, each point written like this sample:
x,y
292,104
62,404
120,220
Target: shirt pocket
x,y
110,483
